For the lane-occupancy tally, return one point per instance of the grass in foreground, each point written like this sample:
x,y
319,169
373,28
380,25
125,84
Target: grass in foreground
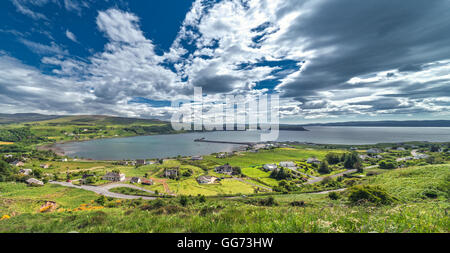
x,y
413,212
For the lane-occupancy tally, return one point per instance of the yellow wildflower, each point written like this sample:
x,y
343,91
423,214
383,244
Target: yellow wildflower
x,y
5,217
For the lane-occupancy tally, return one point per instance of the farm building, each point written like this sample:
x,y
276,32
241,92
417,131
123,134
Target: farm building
x,y
113,176
287,164
224,169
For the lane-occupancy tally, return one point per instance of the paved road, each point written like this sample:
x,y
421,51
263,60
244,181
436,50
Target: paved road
x,y
323,192
104,190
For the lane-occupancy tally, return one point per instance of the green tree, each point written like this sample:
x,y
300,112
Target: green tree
x,y
324,168
351,160
333,158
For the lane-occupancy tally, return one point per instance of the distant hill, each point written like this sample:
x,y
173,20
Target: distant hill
x,y
389,123
24,117
100,120
73,120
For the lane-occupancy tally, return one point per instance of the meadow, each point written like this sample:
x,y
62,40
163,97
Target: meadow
x,y
414,212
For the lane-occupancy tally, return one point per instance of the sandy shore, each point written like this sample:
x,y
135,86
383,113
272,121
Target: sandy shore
x,y
57,150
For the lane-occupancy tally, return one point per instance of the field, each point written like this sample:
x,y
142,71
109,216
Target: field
x,y
271,156
413,212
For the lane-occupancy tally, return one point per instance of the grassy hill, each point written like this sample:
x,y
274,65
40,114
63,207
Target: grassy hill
x,y
24,117
81,127
80,211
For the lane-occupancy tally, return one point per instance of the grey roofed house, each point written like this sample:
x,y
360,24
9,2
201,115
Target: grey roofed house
x,y
224,169
140,162
34,181
287,164
171,172
196,158
206,179
312,160
373,151
135,180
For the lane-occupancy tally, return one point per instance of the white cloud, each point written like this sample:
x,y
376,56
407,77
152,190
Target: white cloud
x,y
44,49
71,36
120,26
221,47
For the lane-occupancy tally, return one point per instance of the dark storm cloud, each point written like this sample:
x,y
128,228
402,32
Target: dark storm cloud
x,y
216,84
383,104
367,37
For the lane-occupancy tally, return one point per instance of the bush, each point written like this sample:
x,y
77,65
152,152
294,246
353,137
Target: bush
x,y
270,201
333,195
323,168
359,194
297,203
388,165
183,200
430,193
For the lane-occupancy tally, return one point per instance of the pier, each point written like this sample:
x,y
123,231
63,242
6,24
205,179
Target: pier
x,y
225,142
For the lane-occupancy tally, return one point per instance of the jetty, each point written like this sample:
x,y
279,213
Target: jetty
x,y
225,142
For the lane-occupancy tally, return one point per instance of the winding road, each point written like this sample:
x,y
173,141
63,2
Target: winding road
x,y
104,189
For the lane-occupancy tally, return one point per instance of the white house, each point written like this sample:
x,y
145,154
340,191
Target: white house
x,y
17,163
45,166
364,157
113,176
287,164
25,171
270,166
221,155
206,179
34,181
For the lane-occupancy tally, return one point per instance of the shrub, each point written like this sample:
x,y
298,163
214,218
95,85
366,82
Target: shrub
x,y
388,165
183,200
324,169
333,195
270,201
430,193
297,203
101,200
369,194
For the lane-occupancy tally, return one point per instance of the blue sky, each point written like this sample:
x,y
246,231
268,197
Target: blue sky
x,y
328,60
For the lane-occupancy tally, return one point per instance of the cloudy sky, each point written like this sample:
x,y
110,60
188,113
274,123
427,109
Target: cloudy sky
x,y
329,60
